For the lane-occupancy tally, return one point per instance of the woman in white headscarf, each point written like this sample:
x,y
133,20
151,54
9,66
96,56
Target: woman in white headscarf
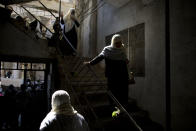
x,y
116,69
63,117
70,23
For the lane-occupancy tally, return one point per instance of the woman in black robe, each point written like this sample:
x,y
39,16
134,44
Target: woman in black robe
x,y
69,23
116,69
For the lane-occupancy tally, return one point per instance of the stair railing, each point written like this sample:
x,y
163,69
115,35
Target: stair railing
x,y
69,43
80,69
109,94
73,90
47,9
117,102
91,108
36,19
124,110
15,12
25,21
78,101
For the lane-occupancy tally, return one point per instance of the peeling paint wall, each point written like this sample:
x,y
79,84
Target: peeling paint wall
x,y
88,28
117,3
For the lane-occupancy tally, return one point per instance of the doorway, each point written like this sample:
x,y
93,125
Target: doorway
x,y
34,76
17,73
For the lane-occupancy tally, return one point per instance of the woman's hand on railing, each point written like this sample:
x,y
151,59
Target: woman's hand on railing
x,y
73,18
87,63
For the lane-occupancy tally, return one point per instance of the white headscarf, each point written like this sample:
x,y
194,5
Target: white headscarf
x,y
61,103
112,52
69,23
115,38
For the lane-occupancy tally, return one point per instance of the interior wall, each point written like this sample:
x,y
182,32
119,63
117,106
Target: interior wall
x,y
14,42
87,43
183,63
149,91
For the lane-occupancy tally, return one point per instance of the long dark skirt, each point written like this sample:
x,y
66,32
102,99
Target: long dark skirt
x,y
119,88
72,38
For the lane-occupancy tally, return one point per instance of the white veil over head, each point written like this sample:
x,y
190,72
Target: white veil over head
x,y
61,103
69,23
115,38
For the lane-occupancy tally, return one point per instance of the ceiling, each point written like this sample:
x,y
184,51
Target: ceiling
x,y
38,10
53,5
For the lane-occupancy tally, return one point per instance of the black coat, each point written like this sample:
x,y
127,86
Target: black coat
x,y
71,35
117,77
113,68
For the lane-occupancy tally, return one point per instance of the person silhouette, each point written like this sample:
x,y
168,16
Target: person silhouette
x,y
63,117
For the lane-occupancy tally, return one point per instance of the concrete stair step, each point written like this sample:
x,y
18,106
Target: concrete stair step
x,y
96,94
98,98
104,111
122,122
119,123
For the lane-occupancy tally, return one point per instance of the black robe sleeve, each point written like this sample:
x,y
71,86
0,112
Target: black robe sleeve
x,y
97,59
62,21
76,23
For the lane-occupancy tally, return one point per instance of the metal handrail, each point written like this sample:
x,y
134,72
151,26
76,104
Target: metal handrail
x,y
108,92
83,67
111,95
74,92
36,19
21,17
123,109
59,10
69,43
16,12
91,108
76,97
47,9
117,102
113,98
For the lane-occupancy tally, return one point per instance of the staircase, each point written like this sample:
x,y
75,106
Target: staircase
x,y
87,87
